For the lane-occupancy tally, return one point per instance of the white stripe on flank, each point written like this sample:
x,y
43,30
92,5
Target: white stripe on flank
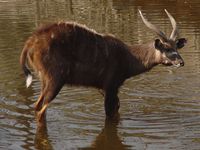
x,y
28,80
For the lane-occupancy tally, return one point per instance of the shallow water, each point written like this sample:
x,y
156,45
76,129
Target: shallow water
x,y
159,109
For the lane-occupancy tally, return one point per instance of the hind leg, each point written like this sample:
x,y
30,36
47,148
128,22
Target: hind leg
x,y
50,92
39,102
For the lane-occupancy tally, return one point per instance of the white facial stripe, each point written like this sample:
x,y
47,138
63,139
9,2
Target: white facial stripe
x,y
174,53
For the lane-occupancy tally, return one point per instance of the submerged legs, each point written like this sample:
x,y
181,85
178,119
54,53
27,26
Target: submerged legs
x,y
47,95
111,103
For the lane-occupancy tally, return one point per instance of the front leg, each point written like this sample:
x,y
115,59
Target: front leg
x,y
111,103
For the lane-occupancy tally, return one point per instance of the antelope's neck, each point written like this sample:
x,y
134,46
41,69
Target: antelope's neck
x,y
146,55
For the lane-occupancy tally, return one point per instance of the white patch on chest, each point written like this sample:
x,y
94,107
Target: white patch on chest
x,y
157,55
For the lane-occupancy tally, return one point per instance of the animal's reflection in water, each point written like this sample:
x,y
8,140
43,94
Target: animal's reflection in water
x,y
42,141
108,139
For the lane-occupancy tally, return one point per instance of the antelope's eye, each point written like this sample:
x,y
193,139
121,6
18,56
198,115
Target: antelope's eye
x,y
168,50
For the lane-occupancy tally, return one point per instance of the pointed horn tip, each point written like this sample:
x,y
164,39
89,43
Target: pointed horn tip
x,y
139,11
167,12
141,15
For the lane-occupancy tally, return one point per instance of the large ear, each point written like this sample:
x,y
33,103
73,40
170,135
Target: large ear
x,y
181,43
158,44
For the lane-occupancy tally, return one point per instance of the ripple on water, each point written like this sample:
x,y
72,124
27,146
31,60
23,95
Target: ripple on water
x,y
159,109
16,123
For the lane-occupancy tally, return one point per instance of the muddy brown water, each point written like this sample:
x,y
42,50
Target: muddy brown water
x,y
159,109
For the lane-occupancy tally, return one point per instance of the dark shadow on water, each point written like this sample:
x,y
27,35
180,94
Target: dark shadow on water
x,y
108,139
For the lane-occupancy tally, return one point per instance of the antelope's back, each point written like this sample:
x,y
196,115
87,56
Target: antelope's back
x,y
77,54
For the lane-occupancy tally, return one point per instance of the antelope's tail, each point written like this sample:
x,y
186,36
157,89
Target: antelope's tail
x,y
23,62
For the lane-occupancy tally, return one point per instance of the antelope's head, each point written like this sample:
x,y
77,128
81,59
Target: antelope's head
x,y
167,48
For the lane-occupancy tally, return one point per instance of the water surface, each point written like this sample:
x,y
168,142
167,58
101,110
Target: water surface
x,y
159,109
